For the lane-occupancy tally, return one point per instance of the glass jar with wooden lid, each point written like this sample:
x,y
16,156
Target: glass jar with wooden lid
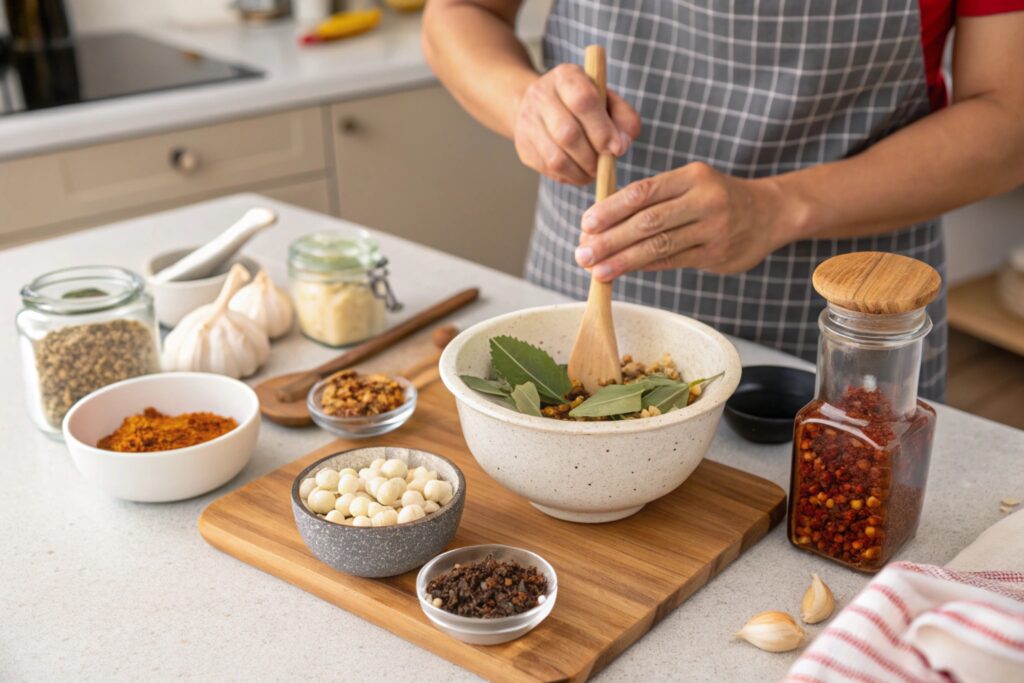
x,y
861,448
81,329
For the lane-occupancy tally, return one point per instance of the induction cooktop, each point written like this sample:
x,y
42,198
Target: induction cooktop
x,y
96,67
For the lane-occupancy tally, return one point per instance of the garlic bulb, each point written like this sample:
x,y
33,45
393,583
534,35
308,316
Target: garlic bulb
x,y
772,631
818,602
266,304
213,338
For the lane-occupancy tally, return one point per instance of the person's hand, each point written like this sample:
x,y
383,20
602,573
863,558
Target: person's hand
x,y
691,217
561,125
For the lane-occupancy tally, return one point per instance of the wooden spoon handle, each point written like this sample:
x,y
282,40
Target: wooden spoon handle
x,y
595,66
299,387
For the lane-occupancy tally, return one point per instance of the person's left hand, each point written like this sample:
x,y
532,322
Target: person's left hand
x,y
691,217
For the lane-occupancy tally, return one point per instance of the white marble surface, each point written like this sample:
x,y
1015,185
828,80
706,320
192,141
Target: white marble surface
x,y
93,588
387,58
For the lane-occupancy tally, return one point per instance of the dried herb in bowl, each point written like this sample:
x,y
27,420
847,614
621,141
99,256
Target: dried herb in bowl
x,y
488,589
528,380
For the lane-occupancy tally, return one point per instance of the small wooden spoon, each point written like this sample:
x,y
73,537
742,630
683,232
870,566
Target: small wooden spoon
x,y
595,355
296,413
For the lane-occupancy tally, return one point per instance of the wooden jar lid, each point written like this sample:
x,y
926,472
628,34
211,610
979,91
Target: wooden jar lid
x,y
877,282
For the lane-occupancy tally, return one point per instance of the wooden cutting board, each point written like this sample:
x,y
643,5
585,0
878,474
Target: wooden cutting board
x,y
616,580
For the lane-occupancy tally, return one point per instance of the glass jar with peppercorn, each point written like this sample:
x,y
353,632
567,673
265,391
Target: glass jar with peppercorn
x,y
861,448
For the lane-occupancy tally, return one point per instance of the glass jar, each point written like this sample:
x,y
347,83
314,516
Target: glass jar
x,y
861,448
340,286
81,329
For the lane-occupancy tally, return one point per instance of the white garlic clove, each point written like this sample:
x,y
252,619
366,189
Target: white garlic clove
x,y
394,468
818,602
373,485
327,478
266,304
321,502
306,487
343,503
361,520
410,513
348,483
438,490
335,516
386,517
772,632
411,497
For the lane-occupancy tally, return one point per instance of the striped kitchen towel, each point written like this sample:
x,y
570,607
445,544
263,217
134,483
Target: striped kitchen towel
x,y
918,623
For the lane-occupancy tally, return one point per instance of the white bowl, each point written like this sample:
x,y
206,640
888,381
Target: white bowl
x,y
592,471
163,475
175,300
479,631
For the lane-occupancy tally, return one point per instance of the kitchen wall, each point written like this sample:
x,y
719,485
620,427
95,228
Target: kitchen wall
x,y
978,237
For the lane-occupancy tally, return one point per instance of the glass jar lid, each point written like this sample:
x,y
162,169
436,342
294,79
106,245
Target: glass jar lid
x,y
350,251
82,289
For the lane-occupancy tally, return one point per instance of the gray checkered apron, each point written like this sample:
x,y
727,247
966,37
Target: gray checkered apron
x,y
754,89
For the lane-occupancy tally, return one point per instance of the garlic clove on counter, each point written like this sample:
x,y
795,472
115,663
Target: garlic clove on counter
x,y
266,304
215,339
818,601
773,632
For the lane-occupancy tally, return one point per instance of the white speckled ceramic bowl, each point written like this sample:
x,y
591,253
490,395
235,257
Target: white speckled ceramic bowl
x,y
376,552
592,471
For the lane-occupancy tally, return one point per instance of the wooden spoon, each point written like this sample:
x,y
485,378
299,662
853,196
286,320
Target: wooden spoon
x,y
296,413
595,355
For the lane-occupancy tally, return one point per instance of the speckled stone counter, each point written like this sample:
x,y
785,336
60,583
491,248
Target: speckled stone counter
x,y
94,588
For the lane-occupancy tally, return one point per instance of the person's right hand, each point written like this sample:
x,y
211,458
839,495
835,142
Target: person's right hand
x,y
562,126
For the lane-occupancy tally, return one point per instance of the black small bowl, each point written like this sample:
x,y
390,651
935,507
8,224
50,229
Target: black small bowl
x,y
767,399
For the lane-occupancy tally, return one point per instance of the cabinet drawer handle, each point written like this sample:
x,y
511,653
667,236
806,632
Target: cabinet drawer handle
x,y
349,125
184,160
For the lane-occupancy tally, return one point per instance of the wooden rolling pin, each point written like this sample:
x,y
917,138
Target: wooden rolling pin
x,y
297,388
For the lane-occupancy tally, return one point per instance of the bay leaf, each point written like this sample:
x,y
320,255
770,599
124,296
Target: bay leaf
x,y
517,363
706,380
484,386
614,399
667,397
527,399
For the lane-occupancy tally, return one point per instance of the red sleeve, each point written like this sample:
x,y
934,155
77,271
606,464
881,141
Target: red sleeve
x,y
980,8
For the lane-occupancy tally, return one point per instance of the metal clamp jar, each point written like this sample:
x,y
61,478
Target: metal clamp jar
x,y
340,286
81,329
861,448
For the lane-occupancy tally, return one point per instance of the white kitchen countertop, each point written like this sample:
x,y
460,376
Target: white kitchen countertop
x,y
387,58
93,588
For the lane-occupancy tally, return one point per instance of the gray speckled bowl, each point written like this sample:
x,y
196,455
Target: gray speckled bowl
x,y
375,552
592,471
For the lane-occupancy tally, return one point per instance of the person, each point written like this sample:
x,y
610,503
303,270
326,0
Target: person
x,y
754,140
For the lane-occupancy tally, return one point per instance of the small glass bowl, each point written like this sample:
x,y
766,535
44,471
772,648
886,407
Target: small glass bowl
x,y
477,630
362,427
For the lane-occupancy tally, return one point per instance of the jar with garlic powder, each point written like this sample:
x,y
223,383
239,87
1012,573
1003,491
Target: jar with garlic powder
x,y
340,287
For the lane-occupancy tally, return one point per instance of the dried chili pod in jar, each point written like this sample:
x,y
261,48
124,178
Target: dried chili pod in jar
x,y
861,448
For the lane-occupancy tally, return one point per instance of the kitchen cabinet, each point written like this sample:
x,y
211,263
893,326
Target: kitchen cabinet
x,y
282,153
414,164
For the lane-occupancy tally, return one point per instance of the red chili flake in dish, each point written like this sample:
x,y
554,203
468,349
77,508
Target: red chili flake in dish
x,y
858,477
488,589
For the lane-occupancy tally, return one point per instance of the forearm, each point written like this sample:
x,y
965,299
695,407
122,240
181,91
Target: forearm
x,y
473,49
969,151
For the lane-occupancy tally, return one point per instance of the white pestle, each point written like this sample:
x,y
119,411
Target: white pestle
x,y
207,259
